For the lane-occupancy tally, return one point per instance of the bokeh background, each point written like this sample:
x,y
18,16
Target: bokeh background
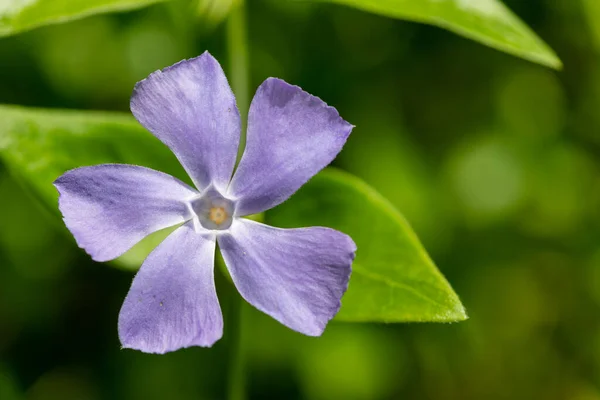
x,y
492,159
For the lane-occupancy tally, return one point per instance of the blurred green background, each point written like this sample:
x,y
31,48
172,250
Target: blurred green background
x,y
492,159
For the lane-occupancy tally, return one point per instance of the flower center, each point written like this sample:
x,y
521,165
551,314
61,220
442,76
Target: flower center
x,y
213,210
217,215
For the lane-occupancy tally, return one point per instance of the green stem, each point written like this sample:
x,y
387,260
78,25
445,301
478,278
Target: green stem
x,y
237,48
236,388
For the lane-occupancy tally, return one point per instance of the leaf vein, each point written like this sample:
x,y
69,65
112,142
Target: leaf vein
x,y
400,285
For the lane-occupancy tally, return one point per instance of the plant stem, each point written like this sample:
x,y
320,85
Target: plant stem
x,y
237,48
236,389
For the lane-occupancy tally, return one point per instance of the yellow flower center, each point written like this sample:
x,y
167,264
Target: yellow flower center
x,y
214,212
217,215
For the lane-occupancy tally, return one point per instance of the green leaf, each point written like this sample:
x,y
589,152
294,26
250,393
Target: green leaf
x,y
37,146
487,21
591,11
21,15
8,385
393,278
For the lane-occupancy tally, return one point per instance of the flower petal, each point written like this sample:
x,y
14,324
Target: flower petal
x,y
291,136
108,208
297,276
190,107
172,302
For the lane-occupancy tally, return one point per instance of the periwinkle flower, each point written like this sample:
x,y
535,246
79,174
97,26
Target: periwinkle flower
x,y
297,276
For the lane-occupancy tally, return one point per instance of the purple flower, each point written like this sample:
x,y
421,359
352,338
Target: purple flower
x,y
297,276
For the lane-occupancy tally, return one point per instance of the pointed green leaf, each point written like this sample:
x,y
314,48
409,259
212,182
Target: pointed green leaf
x,y
487,21
21,15
38,145
393,279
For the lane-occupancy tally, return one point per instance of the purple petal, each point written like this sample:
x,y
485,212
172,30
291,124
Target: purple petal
x,y
108,208
297,276
189,106
172,302
291,136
